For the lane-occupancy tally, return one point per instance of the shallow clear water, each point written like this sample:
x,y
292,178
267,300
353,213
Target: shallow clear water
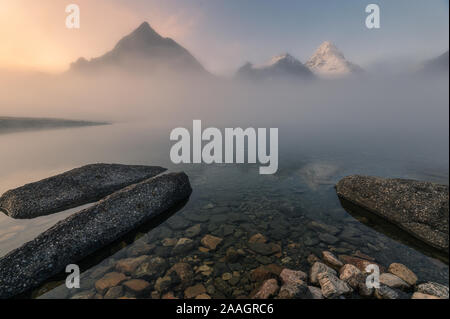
x,y
296,209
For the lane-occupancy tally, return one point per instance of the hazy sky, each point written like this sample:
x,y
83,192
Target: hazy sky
x,y
222,34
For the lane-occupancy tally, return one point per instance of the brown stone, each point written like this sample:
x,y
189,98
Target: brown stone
x,y
360,263
204,270
163,284
169,295
194,291
169,242
184,272
264,272
274,269
292,277
226,276
257,238
393,281
114,292
351,275
403,272
419,295
331,260
265,249
109,280
136,285
312,259
361,255
129,265
268,289
210,241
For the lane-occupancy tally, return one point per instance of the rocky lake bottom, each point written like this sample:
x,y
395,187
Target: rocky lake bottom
x,y
237,229
223,244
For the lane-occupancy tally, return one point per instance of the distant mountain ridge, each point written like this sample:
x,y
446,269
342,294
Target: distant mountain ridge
x,y
143,50
328,61
284,65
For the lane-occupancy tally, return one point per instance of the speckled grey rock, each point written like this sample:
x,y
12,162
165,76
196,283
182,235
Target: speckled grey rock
x,y
420,208
74,188
434,289
88,230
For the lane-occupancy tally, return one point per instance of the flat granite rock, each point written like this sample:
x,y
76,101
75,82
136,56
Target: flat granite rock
x,y
419,208
74,188
88,230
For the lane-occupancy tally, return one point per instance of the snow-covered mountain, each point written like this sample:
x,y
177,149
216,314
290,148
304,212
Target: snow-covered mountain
x,y
328,61
284,65
144,51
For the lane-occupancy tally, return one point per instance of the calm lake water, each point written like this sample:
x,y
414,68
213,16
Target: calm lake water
x,y
296,209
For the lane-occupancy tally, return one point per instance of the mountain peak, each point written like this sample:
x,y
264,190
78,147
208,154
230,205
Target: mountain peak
x,y
328,61
328,48
144,25
144,28
284,58
143,33
144,49
281,65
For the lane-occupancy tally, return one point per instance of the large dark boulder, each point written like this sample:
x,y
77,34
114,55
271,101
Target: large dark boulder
x,y
83,233
74,188
419,208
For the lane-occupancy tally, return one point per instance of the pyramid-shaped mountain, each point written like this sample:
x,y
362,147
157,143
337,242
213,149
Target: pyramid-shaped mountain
x,y
328,61
143,50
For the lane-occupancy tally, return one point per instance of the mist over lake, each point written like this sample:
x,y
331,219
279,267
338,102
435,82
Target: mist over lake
x,y
388,127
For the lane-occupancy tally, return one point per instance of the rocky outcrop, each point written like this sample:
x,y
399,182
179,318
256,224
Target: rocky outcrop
x,y
419,208
88,230
74,188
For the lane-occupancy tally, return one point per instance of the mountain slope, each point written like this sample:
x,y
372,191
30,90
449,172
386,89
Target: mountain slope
x,y
437,65
143,50
328,61
280,66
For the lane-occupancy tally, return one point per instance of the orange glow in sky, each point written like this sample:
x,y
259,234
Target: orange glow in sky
x,y
34,36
